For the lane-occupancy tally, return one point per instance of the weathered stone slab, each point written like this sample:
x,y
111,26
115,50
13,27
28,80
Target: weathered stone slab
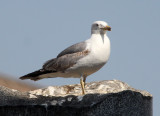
x,y
104,98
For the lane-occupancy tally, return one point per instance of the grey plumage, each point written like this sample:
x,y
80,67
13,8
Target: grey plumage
x,y
67,58
79,47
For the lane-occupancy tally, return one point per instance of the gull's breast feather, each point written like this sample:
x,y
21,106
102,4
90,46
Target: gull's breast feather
x,y
99,52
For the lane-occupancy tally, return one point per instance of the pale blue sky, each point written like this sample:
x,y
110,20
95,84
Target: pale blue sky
x,y
32,32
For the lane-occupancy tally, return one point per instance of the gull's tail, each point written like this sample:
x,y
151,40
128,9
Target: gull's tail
x,y
35,75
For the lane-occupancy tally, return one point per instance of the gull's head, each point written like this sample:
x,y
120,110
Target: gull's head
x,y
100,27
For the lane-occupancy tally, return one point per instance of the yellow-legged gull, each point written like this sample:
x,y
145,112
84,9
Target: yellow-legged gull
x,y
79,60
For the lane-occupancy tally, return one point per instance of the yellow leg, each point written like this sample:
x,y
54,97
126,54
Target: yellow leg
x,y
82,85
84,80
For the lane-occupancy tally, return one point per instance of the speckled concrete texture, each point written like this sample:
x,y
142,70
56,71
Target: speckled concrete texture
x,y
104,98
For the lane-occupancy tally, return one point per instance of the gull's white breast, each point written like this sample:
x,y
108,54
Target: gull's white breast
x,y
100,48
99,52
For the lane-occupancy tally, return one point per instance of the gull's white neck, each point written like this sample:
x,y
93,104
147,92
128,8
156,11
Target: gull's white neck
x,y
99,45
98,37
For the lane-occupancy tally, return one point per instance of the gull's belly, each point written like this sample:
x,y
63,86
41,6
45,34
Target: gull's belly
x,y
84,69
92,69
88,65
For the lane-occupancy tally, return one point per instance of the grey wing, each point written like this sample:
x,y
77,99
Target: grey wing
x,y
73,49
64,62
67,58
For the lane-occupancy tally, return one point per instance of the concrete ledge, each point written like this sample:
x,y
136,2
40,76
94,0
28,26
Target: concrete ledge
x,y
105,98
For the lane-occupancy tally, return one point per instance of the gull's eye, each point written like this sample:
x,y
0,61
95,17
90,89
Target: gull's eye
x,y
97,25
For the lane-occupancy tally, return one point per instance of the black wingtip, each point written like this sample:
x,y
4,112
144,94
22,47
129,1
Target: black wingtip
x,y
31,78
23,78
34,75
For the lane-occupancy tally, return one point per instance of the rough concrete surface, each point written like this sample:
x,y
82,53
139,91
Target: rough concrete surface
x,y
104,98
